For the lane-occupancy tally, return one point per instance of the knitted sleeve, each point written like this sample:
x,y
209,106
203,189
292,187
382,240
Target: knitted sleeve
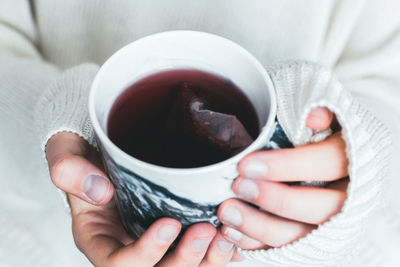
x,y
367,63
23,72
63,107
301,86
63,104
369,67
33,89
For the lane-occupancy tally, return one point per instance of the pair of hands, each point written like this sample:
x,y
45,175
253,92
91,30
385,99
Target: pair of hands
x,y
287,212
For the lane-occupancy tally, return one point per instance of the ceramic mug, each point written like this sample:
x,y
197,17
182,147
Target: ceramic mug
x,y
145,192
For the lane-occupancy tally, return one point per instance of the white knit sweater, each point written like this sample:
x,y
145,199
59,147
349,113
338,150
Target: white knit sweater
x,y
44,84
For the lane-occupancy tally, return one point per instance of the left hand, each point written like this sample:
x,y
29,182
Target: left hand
x,y
76,168
287,212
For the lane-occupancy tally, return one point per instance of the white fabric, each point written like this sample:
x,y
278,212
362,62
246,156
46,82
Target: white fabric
x,y
300,87
44,45
64,104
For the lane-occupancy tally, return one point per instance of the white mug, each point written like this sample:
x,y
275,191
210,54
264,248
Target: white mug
x,y
145,192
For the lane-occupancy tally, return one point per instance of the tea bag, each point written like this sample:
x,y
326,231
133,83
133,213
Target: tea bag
x,y
194,118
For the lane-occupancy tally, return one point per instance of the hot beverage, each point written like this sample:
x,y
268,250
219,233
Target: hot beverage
x,y
182,118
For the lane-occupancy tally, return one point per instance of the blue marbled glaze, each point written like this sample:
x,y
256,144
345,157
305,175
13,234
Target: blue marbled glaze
x,y
140,202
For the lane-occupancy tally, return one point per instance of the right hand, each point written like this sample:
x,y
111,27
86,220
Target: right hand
x,y
75,167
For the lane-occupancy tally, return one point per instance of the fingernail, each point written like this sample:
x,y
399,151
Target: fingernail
x,y
224,246
248,189
255,169
233,234
232,216
200,244
95,187
167,233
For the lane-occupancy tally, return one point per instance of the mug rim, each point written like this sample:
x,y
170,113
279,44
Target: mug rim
x,y
265,131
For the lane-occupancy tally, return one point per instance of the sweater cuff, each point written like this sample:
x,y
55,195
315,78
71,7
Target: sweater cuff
x,y
300,87
63,106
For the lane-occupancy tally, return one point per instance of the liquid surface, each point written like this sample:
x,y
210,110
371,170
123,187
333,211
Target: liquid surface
x,y
141,114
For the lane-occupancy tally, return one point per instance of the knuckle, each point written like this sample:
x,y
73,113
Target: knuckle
x,y
214,259
149,254
280,203
58,170
183,257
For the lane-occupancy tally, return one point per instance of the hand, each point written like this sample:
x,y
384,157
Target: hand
x,y
75,168
287,212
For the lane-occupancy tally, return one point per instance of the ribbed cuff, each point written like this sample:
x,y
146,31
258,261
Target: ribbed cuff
x,y
300,87
63,106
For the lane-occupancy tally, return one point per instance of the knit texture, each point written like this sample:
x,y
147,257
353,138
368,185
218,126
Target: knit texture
x,y
63,107
43,45
300,87
15,238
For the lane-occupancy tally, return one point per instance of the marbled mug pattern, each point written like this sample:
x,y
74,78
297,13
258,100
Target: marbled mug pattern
x,y
141,202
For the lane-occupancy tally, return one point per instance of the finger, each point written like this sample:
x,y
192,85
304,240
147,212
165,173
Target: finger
x,y
192,247
319,118
266,228
78,176
301,203
106,250
65,143
71,172
151,246
241,240
89,220
219,252
323,161
236,256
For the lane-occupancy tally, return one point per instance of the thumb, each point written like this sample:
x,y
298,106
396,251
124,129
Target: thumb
x,y
71,170
319,118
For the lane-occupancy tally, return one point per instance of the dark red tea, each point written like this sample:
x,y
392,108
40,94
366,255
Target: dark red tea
x,y
140,119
